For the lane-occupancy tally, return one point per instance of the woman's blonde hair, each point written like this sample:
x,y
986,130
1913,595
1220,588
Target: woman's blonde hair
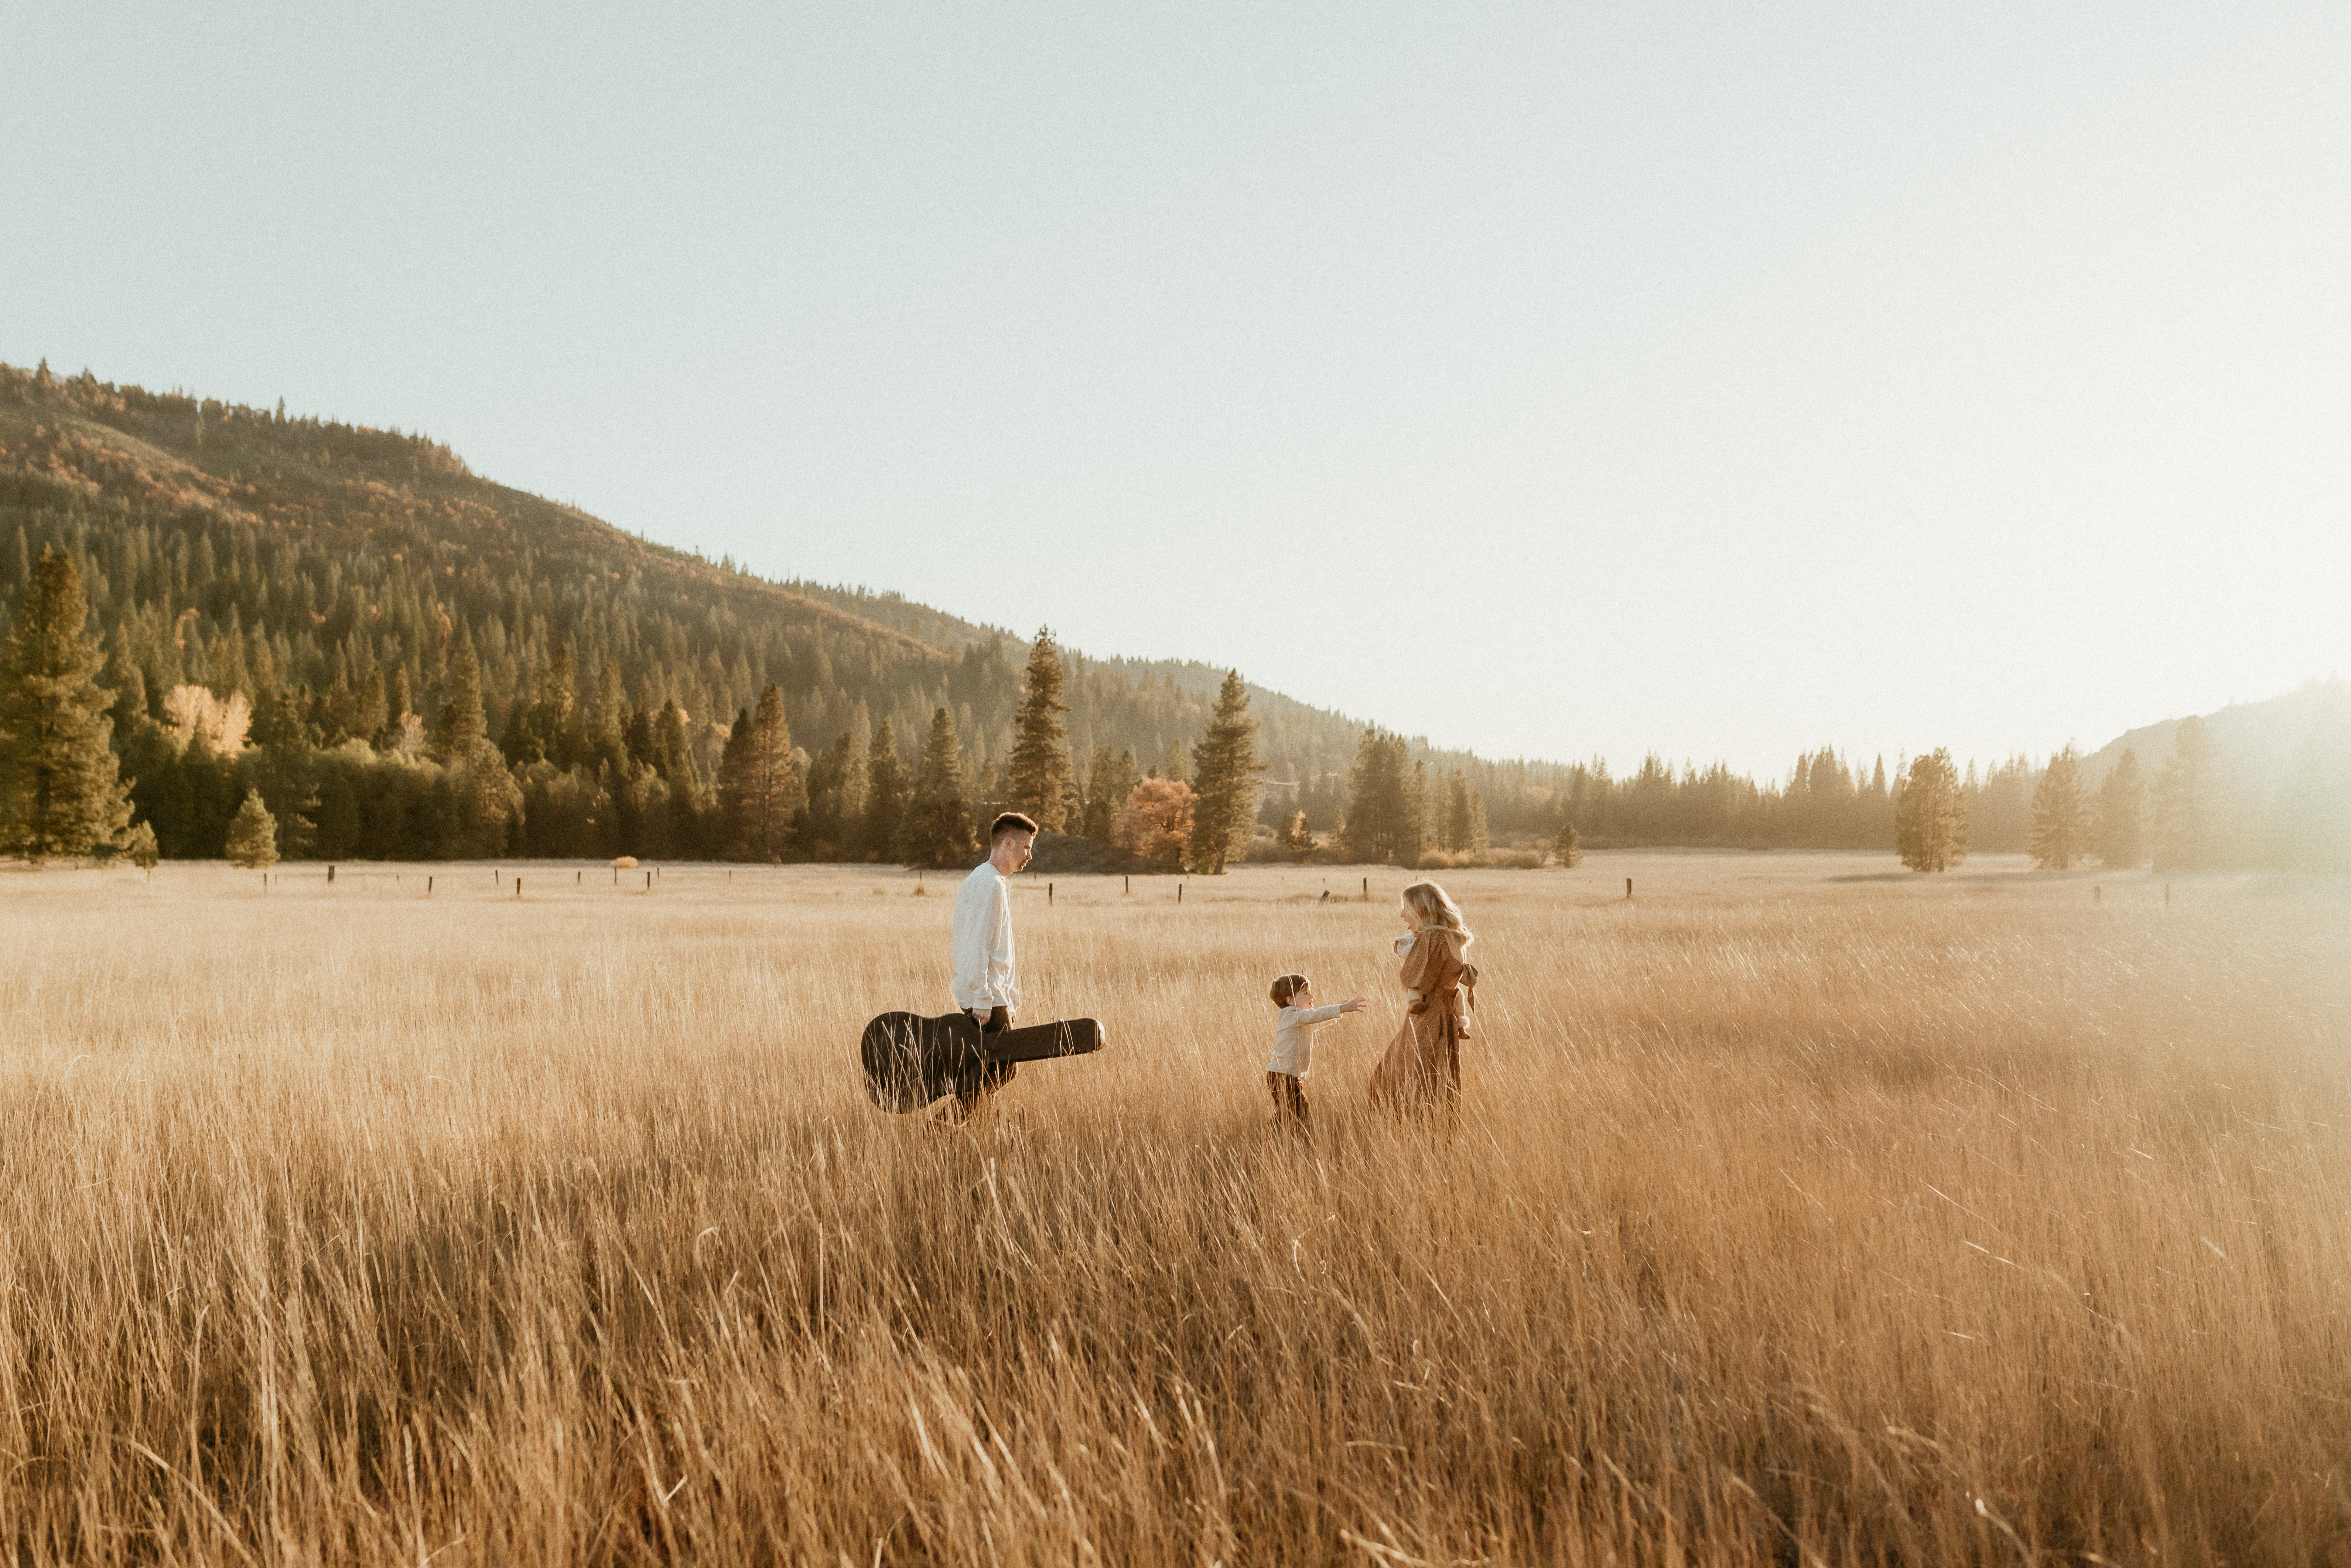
x,y
1433,906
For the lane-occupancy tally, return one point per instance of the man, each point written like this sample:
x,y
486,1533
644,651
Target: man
x,y
984,985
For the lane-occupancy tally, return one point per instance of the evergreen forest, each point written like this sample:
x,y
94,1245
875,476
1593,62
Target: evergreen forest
x,y
399,659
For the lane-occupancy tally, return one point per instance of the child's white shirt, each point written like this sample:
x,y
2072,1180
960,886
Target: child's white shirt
x,y
1293,1037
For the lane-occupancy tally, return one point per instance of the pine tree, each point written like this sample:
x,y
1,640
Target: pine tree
x,y
885,794
936,828
459,729
280,765
253,835
2185,826
1382,819
2121,832
1930,814
1418,811
1039,781
2061,815
759,787
1095,823
1482,839
139,846
124,678
732,786
370,715
1567,849
1225,770
639,734
606,742
538,729
399,696
1456,813
1111,780
330,718
836,793
61,793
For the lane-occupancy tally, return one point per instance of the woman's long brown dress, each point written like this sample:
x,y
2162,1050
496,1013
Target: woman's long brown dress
x,y
1422,1069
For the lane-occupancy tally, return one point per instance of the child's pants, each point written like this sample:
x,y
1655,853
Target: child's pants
x,y
1288,1100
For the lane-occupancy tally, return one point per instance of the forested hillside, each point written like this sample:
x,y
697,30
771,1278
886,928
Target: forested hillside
x,y
328,614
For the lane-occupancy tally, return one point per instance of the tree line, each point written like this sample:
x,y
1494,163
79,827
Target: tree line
x,y
85,766
404,661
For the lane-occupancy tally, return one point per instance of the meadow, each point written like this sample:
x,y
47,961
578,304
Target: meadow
x,y
1799,1212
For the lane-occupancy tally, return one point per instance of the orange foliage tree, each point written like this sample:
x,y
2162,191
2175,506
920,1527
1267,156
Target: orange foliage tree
x,y
1157,820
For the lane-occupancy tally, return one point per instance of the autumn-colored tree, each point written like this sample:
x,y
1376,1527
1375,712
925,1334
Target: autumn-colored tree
x,y
1930,815
61,793
1039,781
1225,770
2061,815
1156,821
1297,841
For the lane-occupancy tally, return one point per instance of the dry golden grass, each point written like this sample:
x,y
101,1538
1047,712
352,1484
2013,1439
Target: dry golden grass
x,y
1788,1218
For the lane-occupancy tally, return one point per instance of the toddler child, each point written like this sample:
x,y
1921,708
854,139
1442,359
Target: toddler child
x,y
1293,1045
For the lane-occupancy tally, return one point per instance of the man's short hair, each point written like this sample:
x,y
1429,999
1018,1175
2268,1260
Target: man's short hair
x,y
1011,822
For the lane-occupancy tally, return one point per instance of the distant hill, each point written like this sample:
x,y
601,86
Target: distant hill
x,y
345,550
2262,744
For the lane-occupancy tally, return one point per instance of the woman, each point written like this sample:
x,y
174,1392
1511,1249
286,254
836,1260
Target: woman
x,y
1422,1069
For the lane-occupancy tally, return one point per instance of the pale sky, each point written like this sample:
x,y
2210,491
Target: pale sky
x,y
1724,381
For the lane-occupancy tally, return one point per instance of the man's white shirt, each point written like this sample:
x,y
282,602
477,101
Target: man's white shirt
x,y
983,941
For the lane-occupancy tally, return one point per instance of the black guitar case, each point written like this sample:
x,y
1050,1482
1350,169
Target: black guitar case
x,y
911,1061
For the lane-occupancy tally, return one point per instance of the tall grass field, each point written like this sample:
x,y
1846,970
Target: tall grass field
x,y
1797,1212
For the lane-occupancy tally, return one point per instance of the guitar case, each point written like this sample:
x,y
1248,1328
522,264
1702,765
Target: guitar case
x,y
910,1061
